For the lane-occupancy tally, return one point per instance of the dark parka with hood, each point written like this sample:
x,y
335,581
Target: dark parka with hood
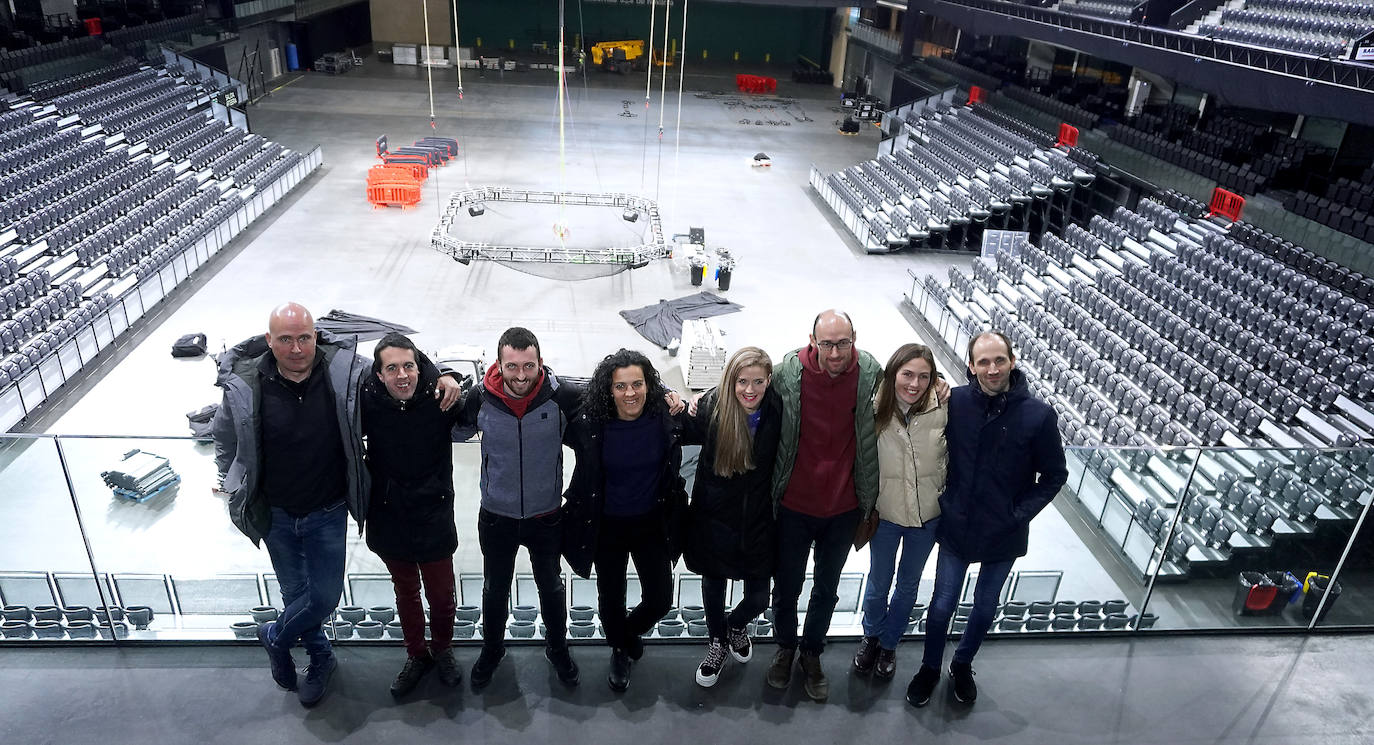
x,y
410,459
237,429
730,526
998,446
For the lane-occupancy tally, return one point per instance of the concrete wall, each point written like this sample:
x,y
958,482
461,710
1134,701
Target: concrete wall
x,y
402,22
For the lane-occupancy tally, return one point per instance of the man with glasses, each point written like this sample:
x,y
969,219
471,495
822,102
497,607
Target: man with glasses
x,y
825,480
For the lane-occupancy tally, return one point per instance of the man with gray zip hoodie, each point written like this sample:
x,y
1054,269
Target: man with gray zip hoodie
x,y
522,410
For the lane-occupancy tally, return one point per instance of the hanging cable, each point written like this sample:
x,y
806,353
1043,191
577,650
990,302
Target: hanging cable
x,y
677,133
586,93
648,81
429,73
662,92
561,228
457,63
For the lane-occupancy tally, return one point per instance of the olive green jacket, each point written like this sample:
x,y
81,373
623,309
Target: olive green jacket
x,y
787,382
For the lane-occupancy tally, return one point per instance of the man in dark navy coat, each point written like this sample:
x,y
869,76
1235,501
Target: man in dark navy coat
x,y
1006,463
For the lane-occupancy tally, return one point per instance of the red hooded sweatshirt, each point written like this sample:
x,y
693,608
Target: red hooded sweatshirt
x,y
822,483
496,386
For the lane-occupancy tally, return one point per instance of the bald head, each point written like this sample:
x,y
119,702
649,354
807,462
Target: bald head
x,y
291,336
832,335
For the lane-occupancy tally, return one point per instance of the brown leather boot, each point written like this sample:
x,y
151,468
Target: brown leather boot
x,y
813,681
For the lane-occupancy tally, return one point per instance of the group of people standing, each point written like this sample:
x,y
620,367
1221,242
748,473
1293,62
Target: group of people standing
x,y
800,463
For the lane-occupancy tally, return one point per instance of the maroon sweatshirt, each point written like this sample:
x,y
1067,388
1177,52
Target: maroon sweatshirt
x,y
822,482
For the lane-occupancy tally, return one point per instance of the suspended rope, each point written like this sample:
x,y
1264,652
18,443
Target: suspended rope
x,y
586,92
662,92
457,63
648,81
429,74
560,229
677,133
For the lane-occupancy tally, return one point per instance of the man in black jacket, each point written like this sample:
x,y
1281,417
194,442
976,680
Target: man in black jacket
x,y
410,519
1006,463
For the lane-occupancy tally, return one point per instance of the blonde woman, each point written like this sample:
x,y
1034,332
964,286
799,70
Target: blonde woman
x,y
912,458
730,518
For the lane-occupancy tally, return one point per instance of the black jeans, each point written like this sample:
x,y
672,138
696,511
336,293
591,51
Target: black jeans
x,y
500,538
618,540
833,538
750,606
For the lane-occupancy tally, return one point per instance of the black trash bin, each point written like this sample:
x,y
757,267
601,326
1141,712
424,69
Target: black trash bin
x,y
698,274
1289,587
1317,587
723,279
1254,594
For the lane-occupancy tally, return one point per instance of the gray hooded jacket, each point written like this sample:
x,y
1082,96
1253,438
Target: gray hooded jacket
x,y
237,431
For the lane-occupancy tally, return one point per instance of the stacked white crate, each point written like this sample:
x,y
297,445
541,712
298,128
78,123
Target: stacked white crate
x,y
705,357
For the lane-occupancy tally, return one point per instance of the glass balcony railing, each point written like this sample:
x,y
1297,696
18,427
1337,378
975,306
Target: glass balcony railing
x,y
1139,540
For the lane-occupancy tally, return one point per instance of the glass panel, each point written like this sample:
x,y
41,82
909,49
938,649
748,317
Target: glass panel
x,y
47,585
1345,481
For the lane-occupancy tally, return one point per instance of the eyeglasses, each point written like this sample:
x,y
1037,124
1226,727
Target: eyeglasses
x,y
842,345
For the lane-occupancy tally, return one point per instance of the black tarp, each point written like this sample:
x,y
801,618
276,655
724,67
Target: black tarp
x,y
362,328
662,323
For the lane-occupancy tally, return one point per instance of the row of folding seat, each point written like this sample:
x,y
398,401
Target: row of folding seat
x,y
1102,9
1286,42
119,94
127,227
74,214
68,210
56,164
91,93
74,233
1314,26
225,164
47,90
1067,112
1338,8
221,144
1161,216
175,132
1305,299
1037,137
39,149
246,173
36,198
15,119
135,115
31,352
27,133
1304,260
22,291
14,59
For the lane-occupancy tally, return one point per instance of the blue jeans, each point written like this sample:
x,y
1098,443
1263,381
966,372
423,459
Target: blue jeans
x,y
884,618
308,557
949,581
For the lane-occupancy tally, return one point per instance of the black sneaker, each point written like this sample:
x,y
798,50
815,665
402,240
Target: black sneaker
x,y
965,690
561,659
449,672
619,677
867,655
709,670
283,667
317,679
740,645
886,666
410,675
635,648
922,685
485,666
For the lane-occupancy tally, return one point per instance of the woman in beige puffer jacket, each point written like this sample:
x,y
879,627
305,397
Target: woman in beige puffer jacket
x,y
912,459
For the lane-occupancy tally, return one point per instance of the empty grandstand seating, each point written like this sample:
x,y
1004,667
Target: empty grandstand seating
x,y
1143,330
1126,11
1317,27
951,172
113,189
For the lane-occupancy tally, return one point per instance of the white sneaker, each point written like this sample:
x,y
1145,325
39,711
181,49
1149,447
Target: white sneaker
x,y
709,670
741,647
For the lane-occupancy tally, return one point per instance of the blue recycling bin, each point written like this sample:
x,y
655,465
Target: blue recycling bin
x,y
293,61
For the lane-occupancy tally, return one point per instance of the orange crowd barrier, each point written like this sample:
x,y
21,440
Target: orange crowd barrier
x,y
1068,135
1227,204
756,84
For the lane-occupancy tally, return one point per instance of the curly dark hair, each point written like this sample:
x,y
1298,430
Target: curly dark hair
x,y
598,402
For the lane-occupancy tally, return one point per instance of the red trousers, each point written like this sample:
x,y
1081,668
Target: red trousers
x,y
438,582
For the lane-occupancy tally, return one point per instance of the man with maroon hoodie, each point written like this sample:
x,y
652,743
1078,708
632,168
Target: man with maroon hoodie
x,y
522,411
825,480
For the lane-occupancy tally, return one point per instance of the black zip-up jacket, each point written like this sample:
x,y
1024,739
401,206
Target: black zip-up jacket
x,y
1006,463
586,494
410,458
730,527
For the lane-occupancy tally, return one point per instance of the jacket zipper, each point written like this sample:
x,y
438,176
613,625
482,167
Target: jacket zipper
x,y
520,452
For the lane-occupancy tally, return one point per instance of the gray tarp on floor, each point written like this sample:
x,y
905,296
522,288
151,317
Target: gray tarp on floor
x,y
662,323
362,328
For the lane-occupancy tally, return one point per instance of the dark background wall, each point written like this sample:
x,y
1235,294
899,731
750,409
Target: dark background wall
x,y
719,29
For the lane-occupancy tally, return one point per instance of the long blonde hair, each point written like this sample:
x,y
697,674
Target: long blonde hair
x,y
734,446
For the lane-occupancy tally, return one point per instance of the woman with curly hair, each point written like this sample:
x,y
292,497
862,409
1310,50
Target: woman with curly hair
x,y
729,532
912,458
625,500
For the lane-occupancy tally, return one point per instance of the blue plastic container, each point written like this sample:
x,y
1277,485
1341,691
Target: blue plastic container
x,y
293,61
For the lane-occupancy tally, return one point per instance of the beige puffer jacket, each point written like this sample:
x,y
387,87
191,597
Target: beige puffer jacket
x,y
911,467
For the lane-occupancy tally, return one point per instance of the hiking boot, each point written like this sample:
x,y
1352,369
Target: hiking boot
x,y
965,690
922,685
813,681
449,672
619,677
283,667
867,655
635,648
485,666
886,666
740,645
780,671
561,659
709,670
317,677
410,675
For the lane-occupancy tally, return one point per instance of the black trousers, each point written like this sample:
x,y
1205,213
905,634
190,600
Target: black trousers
x,y
749,607
619,540
501,538
833,538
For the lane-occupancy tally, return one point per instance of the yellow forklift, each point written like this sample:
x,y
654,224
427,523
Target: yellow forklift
x,y
619,56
